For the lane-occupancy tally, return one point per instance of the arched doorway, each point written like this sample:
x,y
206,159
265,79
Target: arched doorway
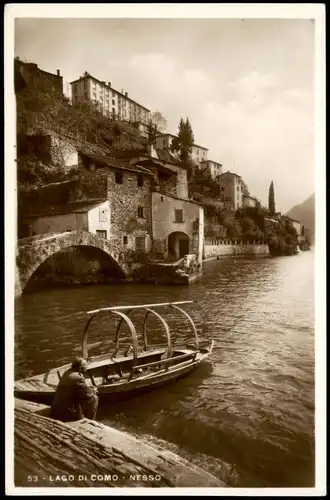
x,y
178,245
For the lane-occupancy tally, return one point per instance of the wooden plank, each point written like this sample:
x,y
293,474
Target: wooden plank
x,y
48,448
165,361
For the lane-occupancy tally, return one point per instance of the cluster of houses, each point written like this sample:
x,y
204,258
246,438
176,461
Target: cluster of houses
x,y
136,198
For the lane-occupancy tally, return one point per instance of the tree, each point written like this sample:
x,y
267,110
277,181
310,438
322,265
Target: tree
x,y
271,199
155,125
245,189
183,143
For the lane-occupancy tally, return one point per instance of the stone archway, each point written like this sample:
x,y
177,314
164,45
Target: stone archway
x,y
32,254
178,245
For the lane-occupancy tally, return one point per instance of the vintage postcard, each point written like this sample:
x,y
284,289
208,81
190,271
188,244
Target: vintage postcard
x,y
165,249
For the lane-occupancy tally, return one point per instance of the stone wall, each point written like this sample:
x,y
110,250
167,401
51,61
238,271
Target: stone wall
x,y
63,153
167,184
225,250
89,186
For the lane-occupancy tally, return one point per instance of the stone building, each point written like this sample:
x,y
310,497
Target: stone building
x,y
28,74
231,189
110,101
177,222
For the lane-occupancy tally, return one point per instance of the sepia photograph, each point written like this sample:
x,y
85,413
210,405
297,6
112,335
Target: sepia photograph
x,y
165,249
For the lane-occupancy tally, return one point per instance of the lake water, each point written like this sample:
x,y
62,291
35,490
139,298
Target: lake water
x,y
247,415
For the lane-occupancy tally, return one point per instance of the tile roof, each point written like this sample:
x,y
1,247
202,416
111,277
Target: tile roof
x,y
67,208
229,173
171,135
113,162
166,156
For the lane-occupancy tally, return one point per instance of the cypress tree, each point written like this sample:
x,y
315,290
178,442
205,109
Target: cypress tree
x,y
271,199
184,141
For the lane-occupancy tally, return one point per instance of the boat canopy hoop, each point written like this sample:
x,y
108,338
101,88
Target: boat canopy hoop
x,y
167,330
190,321
118,330
118,311
123,317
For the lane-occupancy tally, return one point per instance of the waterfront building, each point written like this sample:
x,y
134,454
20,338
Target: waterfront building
x,y
110,102
231,189
148,209
90,215
177,221
298,227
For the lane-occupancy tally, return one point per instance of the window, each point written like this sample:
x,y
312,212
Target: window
x,y
141,212
125,240
222,188
113,101
85,84
162,198
164,142
101,233
119,178
140,243
86,95
178,215
103,213
237,188
140,180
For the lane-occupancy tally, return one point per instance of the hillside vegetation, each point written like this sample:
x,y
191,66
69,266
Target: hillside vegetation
x,y
305,213
40,112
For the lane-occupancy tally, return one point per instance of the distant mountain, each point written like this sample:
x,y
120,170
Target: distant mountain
x,y
305,213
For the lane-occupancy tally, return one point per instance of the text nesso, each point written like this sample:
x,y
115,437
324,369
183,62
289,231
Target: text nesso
x,y
97,477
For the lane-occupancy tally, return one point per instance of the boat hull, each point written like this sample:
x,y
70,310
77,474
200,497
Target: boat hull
x,y
113,392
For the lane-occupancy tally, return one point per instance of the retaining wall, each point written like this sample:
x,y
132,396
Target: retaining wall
x,y
212,251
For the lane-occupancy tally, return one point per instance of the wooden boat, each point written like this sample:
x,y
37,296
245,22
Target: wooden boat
x,y
143,367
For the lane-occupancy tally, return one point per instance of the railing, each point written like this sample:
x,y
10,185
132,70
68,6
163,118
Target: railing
x,y
228,241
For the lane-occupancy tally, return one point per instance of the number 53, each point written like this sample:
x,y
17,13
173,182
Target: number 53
x,y
33,479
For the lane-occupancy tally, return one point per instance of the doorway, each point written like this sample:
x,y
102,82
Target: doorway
x,y
178,245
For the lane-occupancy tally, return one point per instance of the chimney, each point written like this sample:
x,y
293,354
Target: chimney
x,y
151,150
17,58
109,84
126,94
58,72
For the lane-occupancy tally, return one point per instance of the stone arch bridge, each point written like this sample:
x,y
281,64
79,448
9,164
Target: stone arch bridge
x,y
32,252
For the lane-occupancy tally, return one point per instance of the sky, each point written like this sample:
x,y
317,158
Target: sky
x,y
247,85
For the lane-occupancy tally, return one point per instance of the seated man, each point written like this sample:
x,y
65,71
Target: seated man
x,y
74,399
